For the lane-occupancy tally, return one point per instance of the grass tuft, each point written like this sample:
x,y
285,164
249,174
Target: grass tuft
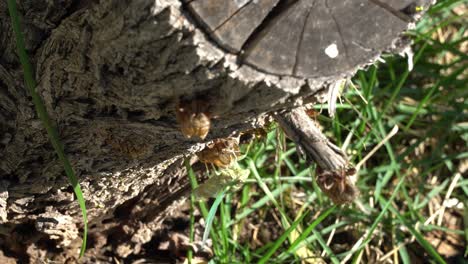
x,y
412,196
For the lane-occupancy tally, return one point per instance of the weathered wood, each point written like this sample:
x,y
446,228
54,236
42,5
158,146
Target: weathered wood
x,y
274,49
111,73
235,31
311,141
334,172
232,22
305,38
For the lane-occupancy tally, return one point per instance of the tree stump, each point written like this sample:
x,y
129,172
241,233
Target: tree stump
x,y
303,38
112,74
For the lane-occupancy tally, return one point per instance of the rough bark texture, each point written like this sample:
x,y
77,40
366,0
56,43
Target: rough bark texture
x,y
111,73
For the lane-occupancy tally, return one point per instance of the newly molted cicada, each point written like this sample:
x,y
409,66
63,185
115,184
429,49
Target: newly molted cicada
x,y
221,152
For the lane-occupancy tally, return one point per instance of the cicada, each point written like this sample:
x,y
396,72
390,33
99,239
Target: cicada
x,y
221,152
193,118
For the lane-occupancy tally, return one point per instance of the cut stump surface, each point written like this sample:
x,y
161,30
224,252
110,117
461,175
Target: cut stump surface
x,y
305,38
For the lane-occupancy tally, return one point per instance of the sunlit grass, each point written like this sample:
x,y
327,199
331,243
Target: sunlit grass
x,y
405,185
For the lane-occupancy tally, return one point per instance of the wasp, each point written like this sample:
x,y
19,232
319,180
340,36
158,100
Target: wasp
x,y
193,118
337,185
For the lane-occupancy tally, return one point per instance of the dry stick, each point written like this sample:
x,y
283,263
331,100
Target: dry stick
x,y
418,224
351,84
333,178
311,141
330,238
452,186
381,143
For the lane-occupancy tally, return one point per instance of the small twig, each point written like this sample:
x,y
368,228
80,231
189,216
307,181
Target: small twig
x,y
332,96
347,140
381,143
351,84
330,238
333,170
355,247
452,186
311,141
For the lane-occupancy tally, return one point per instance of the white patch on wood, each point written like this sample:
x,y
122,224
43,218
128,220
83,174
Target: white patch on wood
x,y
332,51
241,3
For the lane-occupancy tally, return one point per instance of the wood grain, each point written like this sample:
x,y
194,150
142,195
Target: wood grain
x,y
304,38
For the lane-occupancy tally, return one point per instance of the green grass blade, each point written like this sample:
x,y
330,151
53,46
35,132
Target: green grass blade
x,y
211,215
326,247
192,227
260,203
421,104
405,258
280,240
267,191
202,205
465,223
44,117
421,240
404,77
309,229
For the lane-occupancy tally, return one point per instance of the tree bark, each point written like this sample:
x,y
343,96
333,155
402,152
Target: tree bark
x,y
111,74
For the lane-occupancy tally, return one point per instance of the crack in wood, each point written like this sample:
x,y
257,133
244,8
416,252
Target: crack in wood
x,y
392,11
267,42
234,14
266,23
339,32
301,40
